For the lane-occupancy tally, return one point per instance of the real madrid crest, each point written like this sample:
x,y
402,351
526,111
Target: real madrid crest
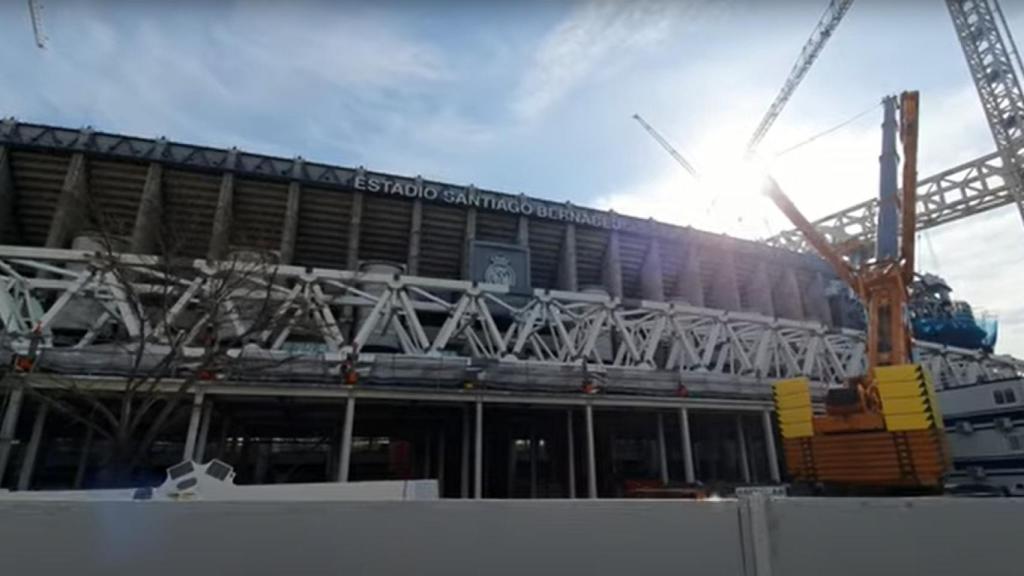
x,y
500,271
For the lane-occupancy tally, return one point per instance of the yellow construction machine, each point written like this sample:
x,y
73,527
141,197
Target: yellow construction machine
x,y
883,430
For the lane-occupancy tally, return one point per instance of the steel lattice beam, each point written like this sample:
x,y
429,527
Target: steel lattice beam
x,y
74,306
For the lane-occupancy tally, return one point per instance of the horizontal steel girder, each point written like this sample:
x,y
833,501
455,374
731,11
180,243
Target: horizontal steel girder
x,y
87,313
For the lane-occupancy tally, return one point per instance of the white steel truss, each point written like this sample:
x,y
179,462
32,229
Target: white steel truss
x,y
65,300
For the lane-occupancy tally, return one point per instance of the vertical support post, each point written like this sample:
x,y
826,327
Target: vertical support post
x,y
263,450
464,471
8,196
355,225
28,465
725,288
10,425
510,481
571,453
149,216
428,458
290,230
591,456
769,442
220,239
662,452
684,430
204,430
193,425
83,459
652,282
67,218
887,238
689,286
441,463
222,443
523,232
759,291
567,277
741,444
613,266
533,465
344,463
415,238
787,301
816,302
478,453
467,242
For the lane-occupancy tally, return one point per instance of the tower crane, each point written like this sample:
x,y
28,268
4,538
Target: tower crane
x,y
668,147
35,12
812,49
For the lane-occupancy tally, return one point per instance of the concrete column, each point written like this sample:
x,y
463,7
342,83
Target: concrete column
x,y
72,205
415,237
652,284
759,291
523,232
533,465
441,462
478,453
464,472
193,426
344,461
9,425
769,442
28,465
571,454
815,302
355,225
567,275
613,266
290,230
591,456
787,300
83,460
725,288
684,430
149,216
741,444
662,452
220,238
467,241
689,286
8,197
204,431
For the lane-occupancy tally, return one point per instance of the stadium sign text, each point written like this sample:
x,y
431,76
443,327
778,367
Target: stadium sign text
x,y
488,200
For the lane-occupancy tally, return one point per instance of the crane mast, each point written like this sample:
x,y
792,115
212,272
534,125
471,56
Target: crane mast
x,y
668,147
810,52
984,36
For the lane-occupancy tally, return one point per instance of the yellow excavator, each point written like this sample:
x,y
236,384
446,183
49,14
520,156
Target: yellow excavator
x,y
883,430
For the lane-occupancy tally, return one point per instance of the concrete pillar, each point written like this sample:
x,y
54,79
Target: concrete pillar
x,y
687,446
10,425
571,454
523,232
149,216
533,465
469,235
759,291
787,300
220,238
441,463
725,287
478,453
72,205
567,269
769,442
662,451
8,197
652,285
464,472
591,456
741,444
28,464
613,266
83,460
355,225
204,431
263,450
193,426
415,238
345,460
290,229
689,286
815,302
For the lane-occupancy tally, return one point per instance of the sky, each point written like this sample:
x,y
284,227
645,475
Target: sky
x,y
537,98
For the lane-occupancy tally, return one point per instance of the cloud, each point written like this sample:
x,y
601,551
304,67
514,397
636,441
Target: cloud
x,y
593,34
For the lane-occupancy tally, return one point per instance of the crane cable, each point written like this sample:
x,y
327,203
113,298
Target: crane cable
x,y
824,133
